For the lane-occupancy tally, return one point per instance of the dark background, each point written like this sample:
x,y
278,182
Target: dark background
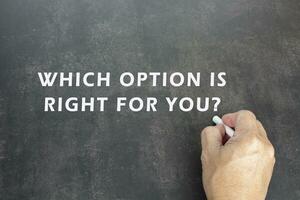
x,y
141,156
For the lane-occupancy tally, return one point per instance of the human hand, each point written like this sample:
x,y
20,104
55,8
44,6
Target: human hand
x,y
241,168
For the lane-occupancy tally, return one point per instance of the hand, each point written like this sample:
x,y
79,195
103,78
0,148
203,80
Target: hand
x,y
241,168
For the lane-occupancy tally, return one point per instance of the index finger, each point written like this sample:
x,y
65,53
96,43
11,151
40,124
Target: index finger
x,y
242,120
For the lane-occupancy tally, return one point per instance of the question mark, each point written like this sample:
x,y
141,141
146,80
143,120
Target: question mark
x,y
218,101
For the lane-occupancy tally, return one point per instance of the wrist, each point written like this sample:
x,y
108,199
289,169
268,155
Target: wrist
x,y
238,196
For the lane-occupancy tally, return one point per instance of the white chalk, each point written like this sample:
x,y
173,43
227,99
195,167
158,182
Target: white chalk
x,y
217,120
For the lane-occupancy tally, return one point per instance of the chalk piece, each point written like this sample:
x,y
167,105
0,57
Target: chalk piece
x,y
217,120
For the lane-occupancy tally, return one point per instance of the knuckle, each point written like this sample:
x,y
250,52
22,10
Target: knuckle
x,y
254,142
274,160
204,157
206,130
258,122
260,126
248,113
270,151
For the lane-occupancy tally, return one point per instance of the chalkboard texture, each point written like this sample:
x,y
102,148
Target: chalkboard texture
x,y
145,155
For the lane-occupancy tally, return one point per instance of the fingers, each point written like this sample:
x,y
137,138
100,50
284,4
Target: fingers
x,y
243,120
229,119
261,129
211,138
247,129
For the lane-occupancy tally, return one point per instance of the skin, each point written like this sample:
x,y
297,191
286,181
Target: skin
x,y
239,168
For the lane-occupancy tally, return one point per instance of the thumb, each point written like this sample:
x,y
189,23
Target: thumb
x,y
211,138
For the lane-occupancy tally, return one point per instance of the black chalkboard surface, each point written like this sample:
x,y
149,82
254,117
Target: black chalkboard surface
x,y
141,155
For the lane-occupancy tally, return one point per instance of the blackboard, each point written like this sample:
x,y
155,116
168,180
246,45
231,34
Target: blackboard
x,y
146,155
